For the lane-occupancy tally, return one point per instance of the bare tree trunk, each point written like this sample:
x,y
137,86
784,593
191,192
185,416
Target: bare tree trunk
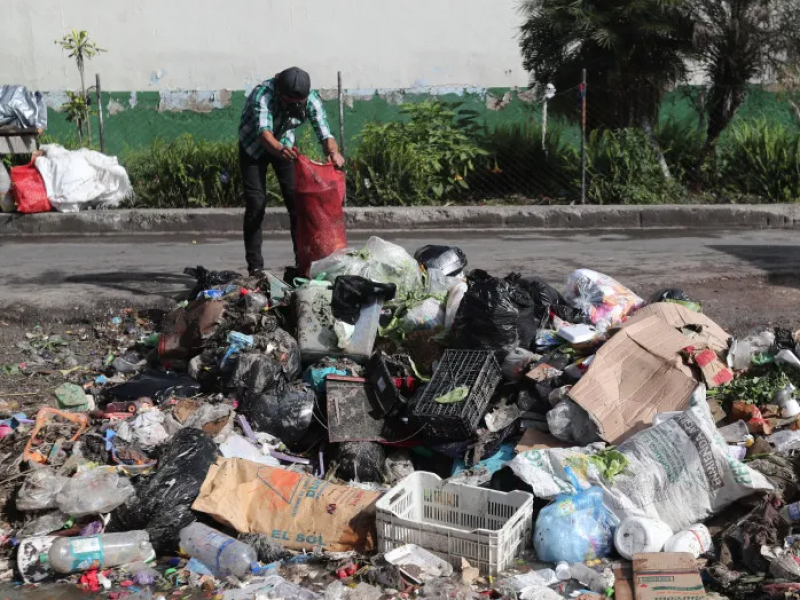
x,y
647,127
86,104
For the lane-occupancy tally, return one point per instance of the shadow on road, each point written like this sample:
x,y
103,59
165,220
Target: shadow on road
x,y
776,260
139,284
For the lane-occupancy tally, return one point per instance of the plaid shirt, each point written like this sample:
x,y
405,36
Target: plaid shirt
x,y
262,112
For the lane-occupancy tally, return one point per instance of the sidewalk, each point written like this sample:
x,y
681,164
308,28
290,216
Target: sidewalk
x,y
229,220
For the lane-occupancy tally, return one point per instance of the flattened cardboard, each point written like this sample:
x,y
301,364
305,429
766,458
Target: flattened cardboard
x,y
680,317
666,576
623,581
294,510
533,439
639,372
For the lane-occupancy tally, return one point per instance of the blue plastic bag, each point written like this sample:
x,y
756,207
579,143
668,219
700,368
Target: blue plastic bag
x,y
575,527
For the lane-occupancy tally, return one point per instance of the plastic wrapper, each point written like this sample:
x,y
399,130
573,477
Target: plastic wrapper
x,y
602,300
145,430
516,363
378,261
450,260
162,505
40,489
94,492
22,108
428,314
576,527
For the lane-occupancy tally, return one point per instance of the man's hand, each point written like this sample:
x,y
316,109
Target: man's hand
x,y
287,153
337,159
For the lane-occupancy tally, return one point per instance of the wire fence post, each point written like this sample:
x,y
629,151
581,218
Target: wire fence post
x,y
583,139
100,113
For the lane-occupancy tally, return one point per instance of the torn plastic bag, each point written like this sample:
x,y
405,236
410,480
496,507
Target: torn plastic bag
x,y
215,420
576,527
488,315
156,385
602,300
363,462
283,347
516,363
146,430
351,293
286,415
448,259
208,279
426,314
94,492
378,261
454,298
40,489
187,330
22,108
570,423
163,503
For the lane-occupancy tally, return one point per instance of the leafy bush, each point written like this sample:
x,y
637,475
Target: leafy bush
x,y
622,169
189,172
520,164
682,143
428,156
762,159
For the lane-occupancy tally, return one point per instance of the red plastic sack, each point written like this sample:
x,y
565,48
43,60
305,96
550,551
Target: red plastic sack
x,y
28,188
319,204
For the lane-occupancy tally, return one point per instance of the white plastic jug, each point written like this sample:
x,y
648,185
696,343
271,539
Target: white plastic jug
x,y
635,535
695,540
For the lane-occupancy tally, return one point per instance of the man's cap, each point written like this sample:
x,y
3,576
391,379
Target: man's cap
x,y
294,83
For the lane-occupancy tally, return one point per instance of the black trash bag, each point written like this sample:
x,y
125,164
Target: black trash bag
x,y
156,385
283,348
255,374
359,461
676,294
489,313
351,292
784,339
162,504
546,298
448,259
287,414
207,279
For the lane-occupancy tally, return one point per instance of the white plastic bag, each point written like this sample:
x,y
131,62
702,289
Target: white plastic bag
x,y
678,471
146,430
516,362
378,260
94,492
76,179
428,314
601,299
40,489
454,298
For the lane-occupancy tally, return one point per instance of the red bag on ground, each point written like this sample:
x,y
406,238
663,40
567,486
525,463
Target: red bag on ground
x,y
28,188
319,205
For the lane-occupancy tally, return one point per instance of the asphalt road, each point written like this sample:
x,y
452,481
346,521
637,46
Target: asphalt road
x,y
746,279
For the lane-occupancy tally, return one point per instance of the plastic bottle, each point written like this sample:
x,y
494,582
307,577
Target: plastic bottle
x,y
695,540
276,587
785,399
791,513
106,550
219,552
597,582
637,534
562,571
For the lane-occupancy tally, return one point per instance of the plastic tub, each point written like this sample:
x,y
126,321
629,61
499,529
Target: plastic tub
x,y
451,520
635,535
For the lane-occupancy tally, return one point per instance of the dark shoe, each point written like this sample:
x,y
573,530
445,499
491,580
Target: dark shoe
x,y
257,273
290,274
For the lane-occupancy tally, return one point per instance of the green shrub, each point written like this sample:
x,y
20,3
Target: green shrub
x,y
762,159
189,173
622,169
423,159
521,165
682,143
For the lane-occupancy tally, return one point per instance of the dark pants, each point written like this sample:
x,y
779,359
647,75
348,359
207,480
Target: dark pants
x,y
254,176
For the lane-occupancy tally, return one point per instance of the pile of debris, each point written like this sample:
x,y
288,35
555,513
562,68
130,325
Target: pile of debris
x,y
394,426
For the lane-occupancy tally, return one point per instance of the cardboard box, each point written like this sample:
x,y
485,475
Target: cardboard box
x,y
623,580
666,576
533,439
294,510
641,370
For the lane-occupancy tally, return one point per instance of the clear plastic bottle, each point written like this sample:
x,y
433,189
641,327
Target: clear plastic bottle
x,y
106,550
276,587
562,571
219,552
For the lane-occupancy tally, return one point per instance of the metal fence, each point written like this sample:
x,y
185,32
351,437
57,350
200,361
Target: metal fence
x,y
533,146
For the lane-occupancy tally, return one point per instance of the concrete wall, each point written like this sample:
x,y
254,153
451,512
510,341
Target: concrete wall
x,y
157,45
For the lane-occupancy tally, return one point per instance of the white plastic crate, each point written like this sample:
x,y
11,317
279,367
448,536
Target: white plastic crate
x,y
452,520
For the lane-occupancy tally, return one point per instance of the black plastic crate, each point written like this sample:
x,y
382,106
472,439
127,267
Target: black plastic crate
x,y
476,369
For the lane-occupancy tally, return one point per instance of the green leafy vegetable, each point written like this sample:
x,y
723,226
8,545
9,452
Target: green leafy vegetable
x,y
459,394
610,463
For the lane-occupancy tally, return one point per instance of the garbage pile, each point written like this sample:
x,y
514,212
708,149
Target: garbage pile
x,y
397,426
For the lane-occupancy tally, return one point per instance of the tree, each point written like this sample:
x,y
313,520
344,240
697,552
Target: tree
x,y
633,50
82,48
742,41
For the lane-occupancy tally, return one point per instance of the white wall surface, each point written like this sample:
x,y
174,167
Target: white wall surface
x,y
232,44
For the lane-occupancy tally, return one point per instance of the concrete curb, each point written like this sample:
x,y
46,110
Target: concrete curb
x,y
229,220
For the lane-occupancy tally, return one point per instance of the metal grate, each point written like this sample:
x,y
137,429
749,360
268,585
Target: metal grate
x,y
476,369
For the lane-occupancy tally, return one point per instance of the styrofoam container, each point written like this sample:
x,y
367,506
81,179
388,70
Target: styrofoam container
x,y
635,535
455,521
